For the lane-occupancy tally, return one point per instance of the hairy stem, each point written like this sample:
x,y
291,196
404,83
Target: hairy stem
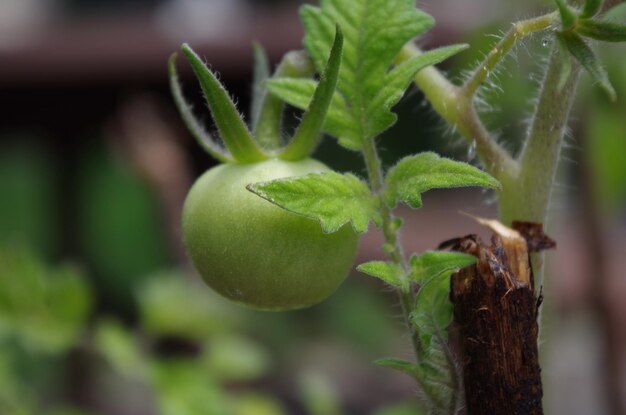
x,y
456,108
540,155
518,31
375,174
456,104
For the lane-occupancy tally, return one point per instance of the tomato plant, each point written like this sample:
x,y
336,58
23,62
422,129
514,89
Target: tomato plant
x,y
361,79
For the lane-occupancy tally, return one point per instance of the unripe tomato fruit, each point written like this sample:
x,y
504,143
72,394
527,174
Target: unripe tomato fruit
x,y
256,253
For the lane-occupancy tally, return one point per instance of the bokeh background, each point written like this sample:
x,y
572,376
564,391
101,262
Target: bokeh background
x,y
100,312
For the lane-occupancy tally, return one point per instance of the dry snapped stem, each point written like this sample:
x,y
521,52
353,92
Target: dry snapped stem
x,y
495,314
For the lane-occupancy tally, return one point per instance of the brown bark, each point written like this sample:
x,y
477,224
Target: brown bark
x,y
495,315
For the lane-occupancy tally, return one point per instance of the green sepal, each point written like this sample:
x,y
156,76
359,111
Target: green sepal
x,y
268,127
568,15
309,131
260,76
389,272
299,92
331,198
585,56
430,264
566,66
413,175
604,31
230,124
591,8
194,126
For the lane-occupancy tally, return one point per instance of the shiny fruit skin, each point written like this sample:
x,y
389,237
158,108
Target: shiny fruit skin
x,y
258,254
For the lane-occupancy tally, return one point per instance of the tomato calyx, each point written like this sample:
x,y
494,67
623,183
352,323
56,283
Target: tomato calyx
x,y
240,144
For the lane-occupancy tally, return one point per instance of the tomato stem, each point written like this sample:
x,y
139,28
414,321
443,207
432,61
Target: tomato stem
x,y
377,184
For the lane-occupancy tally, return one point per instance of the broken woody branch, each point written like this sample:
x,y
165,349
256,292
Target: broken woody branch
x,y
495,317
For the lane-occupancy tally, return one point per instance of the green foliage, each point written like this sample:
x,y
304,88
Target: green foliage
x,y
375,31
433,310
234,358
196,129
120,225
413,175
189,383
585,56
435,370
299,91
604,31
401,409
42,308
591,8
29,207
309,131
430,264
233,130
260,76
171,305
331,198
390,272
184,389
606,130
318,395
568,15
120,348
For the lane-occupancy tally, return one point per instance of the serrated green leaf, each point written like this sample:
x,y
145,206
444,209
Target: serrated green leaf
x,y
390,272
432,263
375,31
233,130
194,126
568,16
309,131
396,82
332,198
591,8
413,175
604,31
585,56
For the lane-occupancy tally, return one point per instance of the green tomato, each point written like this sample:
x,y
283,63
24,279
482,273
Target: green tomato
x,y
256,253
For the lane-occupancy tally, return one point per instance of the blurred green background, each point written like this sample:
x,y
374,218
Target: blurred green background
x,y
100,312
